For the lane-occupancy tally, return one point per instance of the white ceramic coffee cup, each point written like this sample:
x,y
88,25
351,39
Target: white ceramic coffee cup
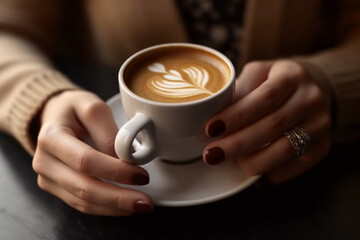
x,y
174,132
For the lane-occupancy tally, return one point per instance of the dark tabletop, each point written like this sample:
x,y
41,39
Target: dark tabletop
x,y
324,203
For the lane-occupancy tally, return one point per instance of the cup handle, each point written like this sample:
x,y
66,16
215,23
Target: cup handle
x,y
145,151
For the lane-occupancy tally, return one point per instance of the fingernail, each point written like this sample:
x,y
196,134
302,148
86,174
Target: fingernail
x,y
142,207
216,128
141,179
214,156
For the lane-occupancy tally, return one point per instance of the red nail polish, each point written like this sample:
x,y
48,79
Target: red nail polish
x,y
141,179
214,156
216,128
142,207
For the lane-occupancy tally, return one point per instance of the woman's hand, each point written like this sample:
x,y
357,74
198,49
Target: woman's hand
x,y
271,98
71,169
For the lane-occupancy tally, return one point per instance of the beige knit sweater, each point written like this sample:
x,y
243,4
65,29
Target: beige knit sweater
x,y
31,31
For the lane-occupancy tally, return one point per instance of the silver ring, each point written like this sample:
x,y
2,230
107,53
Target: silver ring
x,y
299,139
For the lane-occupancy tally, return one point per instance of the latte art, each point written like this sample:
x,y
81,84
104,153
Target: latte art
x,y
171,83
176,74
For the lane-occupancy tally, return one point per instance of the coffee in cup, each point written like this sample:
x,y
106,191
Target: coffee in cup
x,y
168,93
177,74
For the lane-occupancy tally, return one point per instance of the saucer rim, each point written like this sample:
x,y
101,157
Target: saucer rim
x,y
199,201
215,198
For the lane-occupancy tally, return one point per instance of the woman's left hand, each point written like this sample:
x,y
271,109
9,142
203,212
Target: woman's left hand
x,y
271,98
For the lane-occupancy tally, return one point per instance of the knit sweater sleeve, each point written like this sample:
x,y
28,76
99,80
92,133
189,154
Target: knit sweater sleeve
x,y
337,71
27,77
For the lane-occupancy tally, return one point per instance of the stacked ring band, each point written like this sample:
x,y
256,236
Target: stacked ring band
x,y
299,139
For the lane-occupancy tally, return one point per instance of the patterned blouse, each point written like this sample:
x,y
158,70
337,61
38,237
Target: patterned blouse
x,y
215,23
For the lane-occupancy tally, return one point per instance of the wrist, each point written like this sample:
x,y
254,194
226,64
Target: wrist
x,y
25,116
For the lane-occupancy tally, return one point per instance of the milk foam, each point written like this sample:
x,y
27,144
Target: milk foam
x,y
172,84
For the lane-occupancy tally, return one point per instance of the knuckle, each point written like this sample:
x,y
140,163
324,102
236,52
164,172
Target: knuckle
x,y
299,72
315,96
120,201
38,163
116,174
82,207
81,159
42,141
108,143
295,68
46,134
82,191
268,93
94,108
254,66
294,71
41,182
79,204
35,162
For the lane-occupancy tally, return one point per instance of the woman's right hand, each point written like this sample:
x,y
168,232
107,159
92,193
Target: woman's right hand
x,y
71,169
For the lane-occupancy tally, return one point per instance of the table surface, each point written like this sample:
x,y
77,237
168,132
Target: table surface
x,y
324,203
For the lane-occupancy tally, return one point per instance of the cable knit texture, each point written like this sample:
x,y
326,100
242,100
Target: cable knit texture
x,y
27,80
34,92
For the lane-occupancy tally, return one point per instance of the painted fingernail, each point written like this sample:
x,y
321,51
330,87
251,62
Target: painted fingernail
x,y
142,207
216,128
214,156
141,179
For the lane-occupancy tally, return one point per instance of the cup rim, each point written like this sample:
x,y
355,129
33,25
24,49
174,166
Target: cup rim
x,y
179,104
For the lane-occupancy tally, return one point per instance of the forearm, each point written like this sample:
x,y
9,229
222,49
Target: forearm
x,y
337,72
27,80
337,69
27,77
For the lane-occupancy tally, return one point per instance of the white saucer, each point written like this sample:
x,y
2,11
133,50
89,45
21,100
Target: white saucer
x,y
186,184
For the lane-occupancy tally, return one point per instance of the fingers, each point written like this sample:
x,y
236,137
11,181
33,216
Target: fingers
x,y
252,76
57,141
282,153
98,119
256,120
266,158
270,127
252,128
319,130
85,114
263,100
268,92
88,194
296,167
72,170
77,203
